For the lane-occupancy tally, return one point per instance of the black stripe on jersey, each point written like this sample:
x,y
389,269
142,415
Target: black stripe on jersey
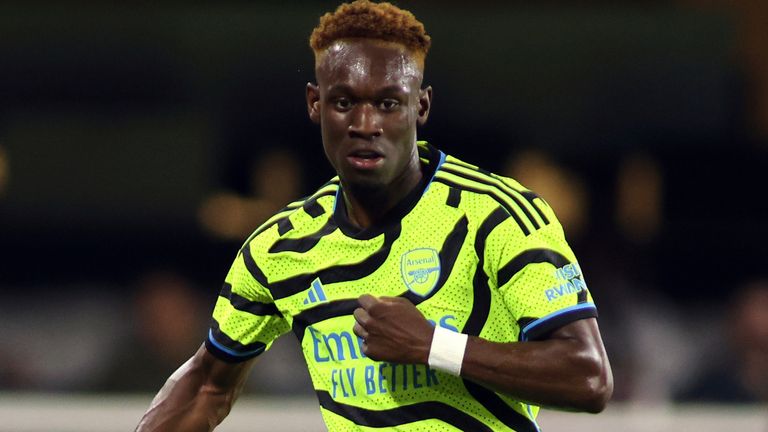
x,y
322,312
448,255
541,331
310,204
313,209
488,179
288,287
481,303
321,193
461,163
495,196
243,304
253,268
581,297
290,208
454,197
286,211
530,196
530,256
469,166
496,406
229,349
267,226
303,244
284,225
403,414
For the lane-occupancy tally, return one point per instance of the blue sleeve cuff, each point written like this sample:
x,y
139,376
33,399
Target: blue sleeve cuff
x,y
229,355
545,325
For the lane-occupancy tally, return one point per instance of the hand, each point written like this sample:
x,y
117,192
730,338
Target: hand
x,y
393,330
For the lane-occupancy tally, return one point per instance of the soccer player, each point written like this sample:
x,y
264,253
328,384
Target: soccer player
x,y
427,294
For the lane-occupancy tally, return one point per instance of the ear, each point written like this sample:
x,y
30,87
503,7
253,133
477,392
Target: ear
x,y
313,102
425,103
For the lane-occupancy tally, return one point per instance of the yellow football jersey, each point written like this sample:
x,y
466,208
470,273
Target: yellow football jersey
x,y
476,253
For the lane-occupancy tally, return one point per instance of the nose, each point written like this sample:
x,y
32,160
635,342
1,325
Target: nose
x,y
364,122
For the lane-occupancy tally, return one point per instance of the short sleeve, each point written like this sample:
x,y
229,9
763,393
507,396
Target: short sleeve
x,y
540,280
245,319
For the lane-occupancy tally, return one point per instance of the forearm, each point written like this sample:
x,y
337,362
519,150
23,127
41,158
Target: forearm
x,y
183,405
562,372
193,399
569,370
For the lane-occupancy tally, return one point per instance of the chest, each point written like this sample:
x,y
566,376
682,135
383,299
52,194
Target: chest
x,y
432,264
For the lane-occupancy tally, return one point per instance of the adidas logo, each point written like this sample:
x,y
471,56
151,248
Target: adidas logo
x,y
315,293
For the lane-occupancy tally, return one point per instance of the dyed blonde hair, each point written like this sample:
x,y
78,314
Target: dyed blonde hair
x,y
363,19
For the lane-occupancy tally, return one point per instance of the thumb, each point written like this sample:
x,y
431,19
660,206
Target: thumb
x,y
367,301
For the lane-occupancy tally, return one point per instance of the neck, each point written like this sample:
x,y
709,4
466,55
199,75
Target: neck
x,y
369,205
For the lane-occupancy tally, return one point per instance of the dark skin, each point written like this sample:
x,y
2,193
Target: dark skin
x,y
198,396
369,102
568,371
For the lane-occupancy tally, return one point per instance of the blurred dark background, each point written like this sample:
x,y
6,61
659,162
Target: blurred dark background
x,y
141,142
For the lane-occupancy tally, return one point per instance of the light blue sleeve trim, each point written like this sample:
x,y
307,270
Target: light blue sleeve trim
x,y
533,419
336,200
439,164
230,351
546,318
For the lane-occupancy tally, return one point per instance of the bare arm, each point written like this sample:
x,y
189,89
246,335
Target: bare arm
x,y
569,370
197,397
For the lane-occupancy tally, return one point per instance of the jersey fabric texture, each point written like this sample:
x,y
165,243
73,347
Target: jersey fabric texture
x,y
475,252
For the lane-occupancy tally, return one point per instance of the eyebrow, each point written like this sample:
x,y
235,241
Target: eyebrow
x,y
393,89
390,89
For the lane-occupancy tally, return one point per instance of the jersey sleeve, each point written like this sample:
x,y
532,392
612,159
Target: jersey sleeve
x,y
539,278
245,319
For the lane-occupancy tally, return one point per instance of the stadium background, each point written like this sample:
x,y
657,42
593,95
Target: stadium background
x,y
141,141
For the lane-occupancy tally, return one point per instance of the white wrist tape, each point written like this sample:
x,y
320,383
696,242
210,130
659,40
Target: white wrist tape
x,y
447,351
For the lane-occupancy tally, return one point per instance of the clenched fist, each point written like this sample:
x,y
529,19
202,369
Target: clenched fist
x,y
393,330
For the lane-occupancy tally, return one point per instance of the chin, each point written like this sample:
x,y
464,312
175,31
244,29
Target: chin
x,y
372,185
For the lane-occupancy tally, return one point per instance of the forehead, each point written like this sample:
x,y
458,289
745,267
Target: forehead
x,y
365,62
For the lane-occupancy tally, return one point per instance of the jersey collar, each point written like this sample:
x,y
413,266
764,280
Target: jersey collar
x,y
431,159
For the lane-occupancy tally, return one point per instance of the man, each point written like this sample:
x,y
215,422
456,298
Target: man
x,y
426,293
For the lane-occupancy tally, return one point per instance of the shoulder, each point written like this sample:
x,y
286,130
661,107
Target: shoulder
x,y
481,193
298,217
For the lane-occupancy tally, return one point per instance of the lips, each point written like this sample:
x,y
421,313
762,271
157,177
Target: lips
x,y
365,159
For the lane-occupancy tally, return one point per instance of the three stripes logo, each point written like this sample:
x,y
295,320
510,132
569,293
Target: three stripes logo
x,y
315,293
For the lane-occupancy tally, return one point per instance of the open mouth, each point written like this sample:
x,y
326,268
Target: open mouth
x,y
365,159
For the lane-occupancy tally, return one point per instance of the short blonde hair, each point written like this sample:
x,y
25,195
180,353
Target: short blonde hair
x,y
367,20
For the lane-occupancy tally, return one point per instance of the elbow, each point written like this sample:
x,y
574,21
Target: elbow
x,y
597,387
596,395
590,380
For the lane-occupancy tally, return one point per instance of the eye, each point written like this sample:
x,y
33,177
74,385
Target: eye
x,y
388,104
342,104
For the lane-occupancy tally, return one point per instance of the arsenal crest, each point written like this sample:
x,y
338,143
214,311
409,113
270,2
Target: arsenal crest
x,y
420,269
